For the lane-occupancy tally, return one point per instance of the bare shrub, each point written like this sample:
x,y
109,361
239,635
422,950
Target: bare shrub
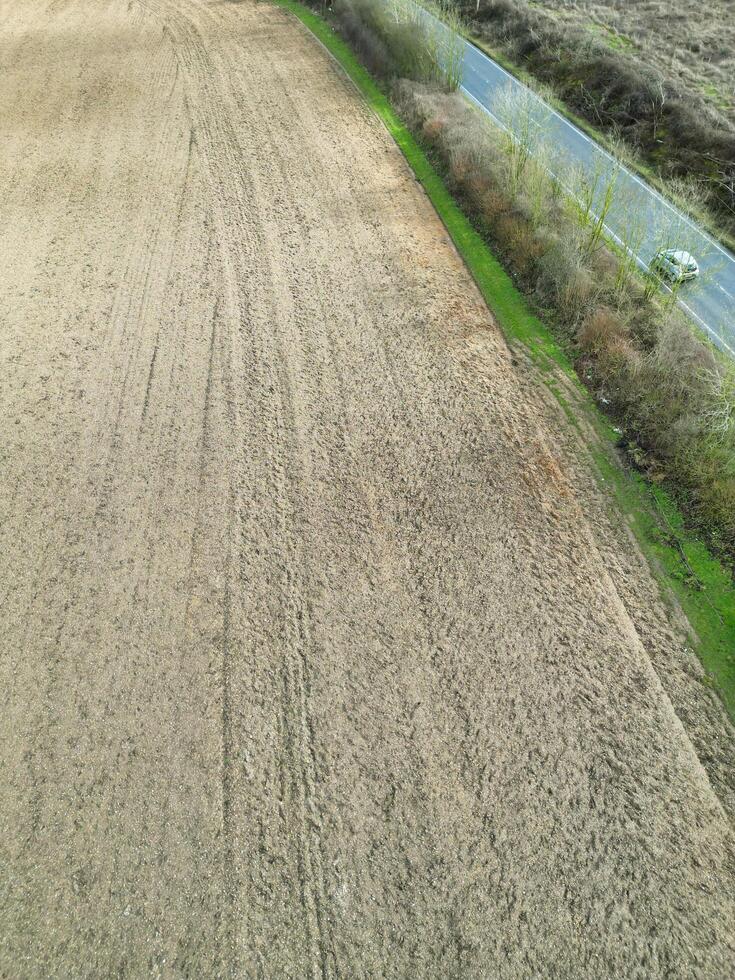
x,y
492,204
365,40
469,149
433,127
507,228
604,263
478,186
524,248
398,40
418,102
564,282
617,369
601,329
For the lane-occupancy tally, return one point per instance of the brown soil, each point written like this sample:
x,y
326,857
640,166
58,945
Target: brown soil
x,y
314,661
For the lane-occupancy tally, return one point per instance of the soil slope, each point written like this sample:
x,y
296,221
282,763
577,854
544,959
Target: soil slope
x,y
312,664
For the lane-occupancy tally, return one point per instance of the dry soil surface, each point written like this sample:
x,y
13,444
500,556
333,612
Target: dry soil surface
x,y
312,664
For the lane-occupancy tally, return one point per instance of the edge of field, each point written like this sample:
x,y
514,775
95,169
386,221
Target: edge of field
x,y
681,562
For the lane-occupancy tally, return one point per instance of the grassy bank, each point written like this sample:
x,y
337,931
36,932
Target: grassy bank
x,y
701,583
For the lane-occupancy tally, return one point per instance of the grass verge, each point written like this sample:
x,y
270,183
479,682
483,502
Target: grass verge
x,y
681,562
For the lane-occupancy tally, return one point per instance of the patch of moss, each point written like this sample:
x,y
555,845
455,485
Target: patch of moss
x,y
615,41
721,99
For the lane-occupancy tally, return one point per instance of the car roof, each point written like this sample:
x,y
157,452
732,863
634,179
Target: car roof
x,y
682,258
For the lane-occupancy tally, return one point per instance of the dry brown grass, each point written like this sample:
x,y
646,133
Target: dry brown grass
x,y
600,328
674,37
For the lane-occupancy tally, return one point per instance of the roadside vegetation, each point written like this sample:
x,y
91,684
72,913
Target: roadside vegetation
x,y
660,77
399,41
670,393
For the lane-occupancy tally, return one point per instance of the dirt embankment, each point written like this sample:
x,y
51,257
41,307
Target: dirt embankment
x,y
312,664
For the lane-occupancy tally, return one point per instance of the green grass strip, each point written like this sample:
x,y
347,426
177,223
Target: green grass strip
x,y
700,583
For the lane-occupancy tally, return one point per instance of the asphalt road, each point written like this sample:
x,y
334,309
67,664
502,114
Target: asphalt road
x,y
639,216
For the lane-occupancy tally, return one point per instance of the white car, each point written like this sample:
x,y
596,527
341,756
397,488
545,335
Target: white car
x,y
674,265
